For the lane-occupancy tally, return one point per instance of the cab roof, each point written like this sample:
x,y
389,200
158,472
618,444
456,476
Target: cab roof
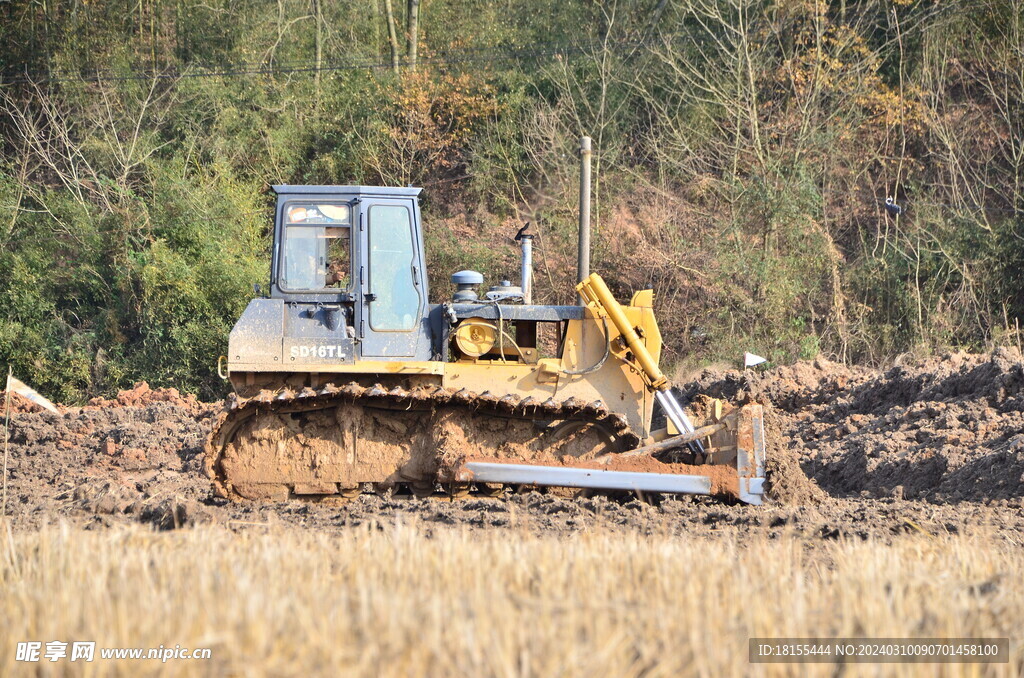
x,y
374,191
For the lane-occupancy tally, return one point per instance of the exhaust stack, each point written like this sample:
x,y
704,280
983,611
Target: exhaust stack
x,y
583,258
527,274
525,241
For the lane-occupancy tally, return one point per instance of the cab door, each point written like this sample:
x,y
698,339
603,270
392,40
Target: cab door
x,y
391,281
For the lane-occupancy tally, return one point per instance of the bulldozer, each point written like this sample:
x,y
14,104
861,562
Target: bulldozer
x,y
347,378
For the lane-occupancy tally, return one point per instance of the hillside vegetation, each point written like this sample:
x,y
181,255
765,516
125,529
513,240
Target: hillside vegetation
x,y
744,153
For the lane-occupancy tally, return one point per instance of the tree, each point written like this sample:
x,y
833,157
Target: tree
x,y
413,26
392,36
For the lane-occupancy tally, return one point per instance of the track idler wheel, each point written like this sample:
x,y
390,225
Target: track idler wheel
x,y
458,490
422,489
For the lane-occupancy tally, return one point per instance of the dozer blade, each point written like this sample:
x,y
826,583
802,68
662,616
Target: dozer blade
x,y
742,479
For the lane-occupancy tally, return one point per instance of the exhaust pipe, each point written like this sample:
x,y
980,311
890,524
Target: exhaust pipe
x,y
525,241
583,258
526,276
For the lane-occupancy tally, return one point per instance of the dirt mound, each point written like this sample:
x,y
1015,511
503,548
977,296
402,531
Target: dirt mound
x,y
944,429
108,460
141,395
786,482
789,388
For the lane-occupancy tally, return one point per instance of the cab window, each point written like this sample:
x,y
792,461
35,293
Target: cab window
x,y
396,299
317,246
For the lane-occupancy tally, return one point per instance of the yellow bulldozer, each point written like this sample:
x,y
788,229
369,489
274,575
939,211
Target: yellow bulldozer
x,y
347,379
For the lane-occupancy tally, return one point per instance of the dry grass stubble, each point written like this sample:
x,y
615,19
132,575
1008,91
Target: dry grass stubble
x,y
407,599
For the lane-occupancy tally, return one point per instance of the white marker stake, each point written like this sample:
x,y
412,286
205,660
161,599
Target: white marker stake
x,y
751,359
26,391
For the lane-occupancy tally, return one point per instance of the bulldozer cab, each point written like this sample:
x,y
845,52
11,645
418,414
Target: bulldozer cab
x,y
347,279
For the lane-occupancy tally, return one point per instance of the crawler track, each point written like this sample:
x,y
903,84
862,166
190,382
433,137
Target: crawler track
x,y
334,441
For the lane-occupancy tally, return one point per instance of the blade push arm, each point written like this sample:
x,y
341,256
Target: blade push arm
x,y
599,298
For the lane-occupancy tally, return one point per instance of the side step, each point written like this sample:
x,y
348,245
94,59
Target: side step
x,y
751,489
598,479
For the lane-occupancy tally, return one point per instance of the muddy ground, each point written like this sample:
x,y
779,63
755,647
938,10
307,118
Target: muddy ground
x,y
934,446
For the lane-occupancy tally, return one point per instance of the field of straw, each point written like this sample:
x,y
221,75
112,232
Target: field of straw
x,y
412,600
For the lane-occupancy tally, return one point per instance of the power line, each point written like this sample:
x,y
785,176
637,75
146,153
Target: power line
x,y
910,203
448,57
243,66
463,55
